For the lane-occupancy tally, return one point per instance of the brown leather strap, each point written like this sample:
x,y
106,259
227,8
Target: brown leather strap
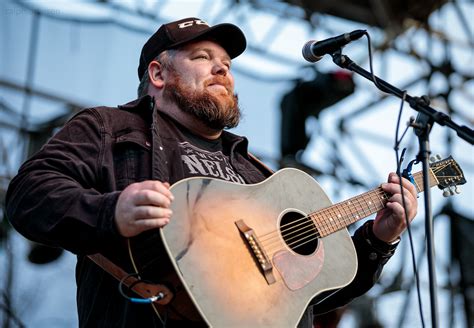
x,y
143,289
260,162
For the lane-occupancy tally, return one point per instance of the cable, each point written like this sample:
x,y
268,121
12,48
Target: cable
x,y
369,45
399,163
152,299
163,322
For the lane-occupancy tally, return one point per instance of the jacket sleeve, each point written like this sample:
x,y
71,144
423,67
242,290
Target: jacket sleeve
x,y
54,198
372,255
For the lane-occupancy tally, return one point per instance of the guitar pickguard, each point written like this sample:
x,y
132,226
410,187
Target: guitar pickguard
x,y
297,271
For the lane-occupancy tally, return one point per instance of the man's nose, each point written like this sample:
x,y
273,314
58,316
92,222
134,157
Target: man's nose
x,y
220,68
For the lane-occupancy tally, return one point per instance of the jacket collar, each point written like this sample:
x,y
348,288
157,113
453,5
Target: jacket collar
x,y
238,143
143,106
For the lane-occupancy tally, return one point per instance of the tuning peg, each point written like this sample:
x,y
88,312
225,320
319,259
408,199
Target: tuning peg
x,y
457,190
435,158
446,192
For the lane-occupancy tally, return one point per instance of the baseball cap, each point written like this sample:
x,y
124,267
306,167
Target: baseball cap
x,y
177,33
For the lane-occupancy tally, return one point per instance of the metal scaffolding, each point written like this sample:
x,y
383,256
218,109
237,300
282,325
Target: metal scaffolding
x,y
411,31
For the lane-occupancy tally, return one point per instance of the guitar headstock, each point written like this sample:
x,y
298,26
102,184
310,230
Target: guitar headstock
x,y
449,175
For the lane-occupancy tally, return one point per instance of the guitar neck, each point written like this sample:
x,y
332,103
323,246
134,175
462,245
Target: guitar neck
x,y
341,215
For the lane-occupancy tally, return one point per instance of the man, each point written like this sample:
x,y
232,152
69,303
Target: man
x,y
103,182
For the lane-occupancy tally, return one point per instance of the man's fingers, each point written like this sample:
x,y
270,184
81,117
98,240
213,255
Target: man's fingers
x,y
161,187
151,197
393,178
394,188
397,198
151,212
395,202
142,206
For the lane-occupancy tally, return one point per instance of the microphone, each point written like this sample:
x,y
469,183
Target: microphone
x,y
314,51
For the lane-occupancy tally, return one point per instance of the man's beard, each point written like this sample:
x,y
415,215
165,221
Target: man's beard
x,y
214,111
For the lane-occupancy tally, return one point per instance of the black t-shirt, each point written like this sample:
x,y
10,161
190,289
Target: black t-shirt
x,y
206,158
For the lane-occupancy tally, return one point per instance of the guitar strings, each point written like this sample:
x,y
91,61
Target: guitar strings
x,y
310,225
371,193
325,226
316,234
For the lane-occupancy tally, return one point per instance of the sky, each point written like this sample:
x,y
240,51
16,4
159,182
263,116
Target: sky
x,y
94,62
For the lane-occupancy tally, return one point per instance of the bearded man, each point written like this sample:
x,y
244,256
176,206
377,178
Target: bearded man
x,y
101,185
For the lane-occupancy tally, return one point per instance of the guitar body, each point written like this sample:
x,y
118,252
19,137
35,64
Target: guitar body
x,y
220,270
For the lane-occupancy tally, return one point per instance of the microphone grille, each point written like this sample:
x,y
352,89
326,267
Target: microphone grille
x,y
307,52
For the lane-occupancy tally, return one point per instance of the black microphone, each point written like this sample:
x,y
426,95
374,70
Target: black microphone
x,y
314,51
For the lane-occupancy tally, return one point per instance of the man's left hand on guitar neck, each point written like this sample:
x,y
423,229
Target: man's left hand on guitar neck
x,y
390,222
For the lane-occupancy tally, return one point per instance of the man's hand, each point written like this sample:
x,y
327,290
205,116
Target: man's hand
x,y
143,206
390,222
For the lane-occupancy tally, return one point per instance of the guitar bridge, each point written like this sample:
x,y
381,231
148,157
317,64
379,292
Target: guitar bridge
x,y
258,252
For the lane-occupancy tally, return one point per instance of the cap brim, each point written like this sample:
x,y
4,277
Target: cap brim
x,y
229,36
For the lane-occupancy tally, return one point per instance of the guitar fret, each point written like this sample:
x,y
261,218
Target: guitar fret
x,y
375,199
350,210
358,208
318,220
380,198
335,214
368,203
330,223
336,217
341,215
363,202
345,214
363,208
315,218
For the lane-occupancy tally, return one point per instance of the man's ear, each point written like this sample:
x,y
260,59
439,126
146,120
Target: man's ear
x,y
155,74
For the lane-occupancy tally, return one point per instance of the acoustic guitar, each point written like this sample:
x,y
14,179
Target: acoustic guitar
x,y
256,255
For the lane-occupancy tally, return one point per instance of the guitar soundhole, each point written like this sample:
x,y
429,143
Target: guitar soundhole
x,y
299,233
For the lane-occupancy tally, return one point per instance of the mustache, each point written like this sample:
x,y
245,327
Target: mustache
x,y
221,81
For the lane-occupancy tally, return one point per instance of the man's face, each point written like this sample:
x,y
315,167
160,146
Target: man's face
x,y
200,83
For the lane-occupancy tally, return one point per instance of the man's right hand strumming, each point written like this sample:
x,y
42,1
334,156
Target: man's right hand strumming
x,y
143,206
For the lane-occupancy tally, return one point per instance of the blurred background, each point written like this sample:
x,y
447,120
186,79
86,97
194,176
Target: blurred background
x,y
57,57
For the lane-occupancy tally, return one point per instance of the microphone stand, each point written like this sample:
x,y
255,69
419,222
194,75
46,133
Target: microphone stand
x,y
426,118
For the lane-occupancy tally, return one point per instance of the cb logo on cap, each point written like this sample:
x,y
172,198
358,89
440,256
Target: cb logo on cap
x,y
192,22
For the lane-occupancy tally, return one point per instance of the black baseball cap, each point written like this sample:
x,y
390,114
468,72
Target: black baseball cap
x,y
177,33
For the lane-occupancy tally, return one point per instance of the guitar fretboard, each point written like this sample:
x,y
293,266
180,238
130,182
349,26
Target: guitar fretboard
x,y
340,215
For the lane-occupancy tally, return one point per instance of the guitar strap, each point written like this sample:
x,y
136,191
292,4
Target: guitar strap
x,y
255,159
145,290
